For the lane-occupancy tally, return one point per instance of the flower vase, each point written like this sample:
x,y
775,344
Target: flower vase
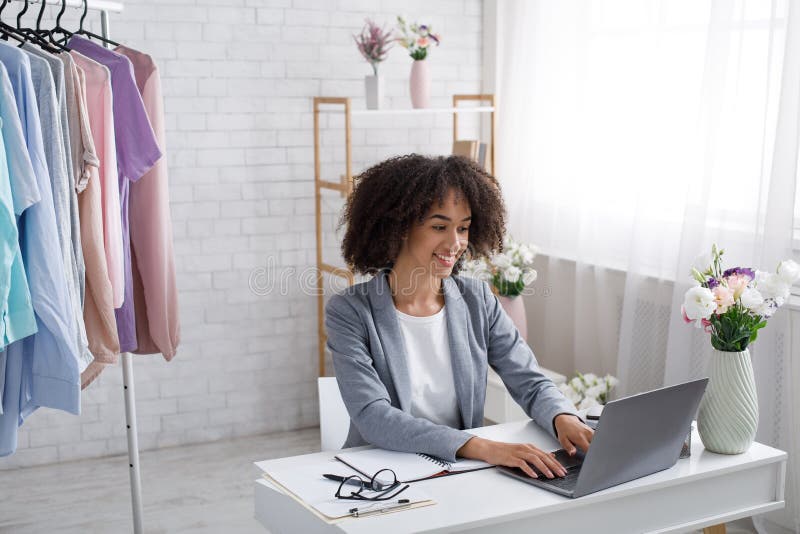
x,y
373,86
728,416
420,84
515,308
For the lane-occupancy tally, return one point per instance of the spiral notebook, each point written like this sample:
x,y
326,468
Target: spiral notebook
x,y
408,466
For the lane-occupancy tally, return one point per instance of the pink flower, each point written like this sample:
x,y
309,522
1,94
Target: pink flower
x,y
422,42
737,283
685,317
706,325
723,296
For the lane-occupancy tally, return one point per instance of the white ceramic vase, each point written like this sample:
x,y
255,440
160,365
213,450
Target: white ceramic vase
x,y
728,416
420,84
373,86
515,308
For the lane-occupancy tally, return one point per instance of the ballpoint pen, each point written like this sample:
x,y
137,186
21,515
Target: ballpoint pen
x,y
400,504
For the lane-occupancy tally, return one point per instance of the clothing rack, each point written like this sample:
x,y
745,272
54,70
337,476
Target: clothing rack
x,y
105,7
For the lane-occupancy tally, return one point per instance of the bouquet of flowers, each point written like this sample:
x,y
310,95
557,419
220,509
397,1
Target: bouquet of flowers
x,y
732,305
508,271
416,38
374,43
585,391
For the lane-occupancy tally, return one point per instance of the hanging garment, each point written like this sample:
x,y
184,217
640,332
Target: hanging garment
x,y
42,369
60,79
100,103
137,152
152,258
17,320
80,135
98,306
16,307
48,82
96,86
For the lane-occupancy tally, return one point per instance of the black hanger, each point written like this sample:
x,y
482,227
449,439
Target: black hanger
x,y
42,35
19,15
37,36
82,31
7,30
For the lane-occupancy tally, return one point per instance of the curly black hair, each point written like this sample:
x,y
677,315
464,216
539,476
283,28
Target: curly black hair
x,y
394,194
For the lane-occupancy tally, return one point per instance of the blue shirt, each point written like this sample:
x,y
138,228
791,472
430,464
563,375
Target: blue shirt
x,y
16,309
41,370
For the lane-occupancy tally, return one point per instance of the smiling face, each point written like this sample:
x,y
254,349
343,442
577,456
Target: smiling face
x,y
435,245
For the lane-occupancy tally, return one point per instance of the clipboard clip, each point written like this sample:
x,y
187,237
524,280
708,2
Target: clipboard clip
x,y
399,505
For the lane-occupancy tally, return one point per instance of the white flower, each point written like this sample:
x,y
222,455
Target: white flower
x,y
590,378
573,396
611,381
502,260
595,391
772,285
789,271
751,298
526,255
766,308
477,269
699,303
512,274
576,384
587,403
529,276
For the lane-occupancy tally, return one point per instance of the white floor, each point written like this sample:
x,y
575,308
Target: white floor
x,y
200,489
204,488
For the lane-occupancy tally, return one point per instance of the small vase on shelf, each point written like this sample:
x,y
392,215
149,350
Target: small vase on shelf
x,y
418,39
373,86
515,308
420,84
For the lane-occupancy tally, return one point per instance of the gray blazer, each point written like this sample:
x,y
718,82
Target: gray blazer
x,y
370,361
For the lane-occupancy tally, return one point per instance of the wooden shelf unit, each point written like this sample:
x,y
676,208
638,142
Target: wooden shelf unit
x,y
344,186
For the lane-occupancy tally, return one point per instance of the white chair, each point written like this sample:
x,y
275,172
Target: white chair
x,y
334,421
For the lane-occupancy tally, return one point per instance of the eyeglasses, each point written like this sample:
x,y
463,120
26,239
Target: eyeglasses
x,y
382,485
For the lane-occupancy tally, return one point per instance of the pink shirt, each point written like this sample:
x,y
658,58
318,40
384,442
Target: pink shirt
x,y
153,259
101,117
98,307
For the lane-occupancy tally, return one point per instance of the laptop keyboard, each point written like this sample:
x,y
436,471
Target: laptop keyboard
x,y
566,482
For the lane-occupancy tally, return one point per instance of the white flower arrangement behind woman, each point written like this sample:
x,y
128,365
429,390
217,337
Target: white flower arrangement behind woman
x,y
509,271
586,391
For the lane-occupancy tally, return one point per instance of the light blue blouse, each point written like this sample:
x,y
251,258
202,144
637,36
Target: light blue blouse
x,y
41,370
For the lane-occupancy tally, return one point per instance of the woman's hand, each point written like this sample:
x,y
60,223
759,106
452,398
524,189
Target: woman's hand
x,y
572,432
512,455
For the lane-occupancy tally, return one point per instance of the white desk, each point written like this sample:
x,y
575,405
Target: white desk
x,y
705,489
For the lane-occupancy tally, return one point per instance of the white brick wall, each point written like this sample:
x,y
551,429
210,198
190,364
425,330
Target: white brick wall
x,y
238,77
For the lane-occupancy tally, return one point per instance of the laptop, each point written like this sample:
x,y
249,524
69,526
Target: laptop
x,y
635,437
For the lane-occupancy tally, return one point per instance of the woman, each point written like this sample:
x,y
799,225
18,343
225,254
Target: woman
x,y
411,347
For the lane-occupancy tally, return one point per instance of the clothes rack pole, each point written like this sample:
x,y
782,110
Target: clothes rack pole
x,y
128,389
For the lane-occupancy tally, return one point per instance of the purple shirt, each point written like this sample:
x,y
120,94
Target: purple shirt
x,y
137,152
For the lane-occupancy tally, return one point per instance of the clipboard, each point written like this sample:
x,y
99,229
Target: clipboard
x,y
307,487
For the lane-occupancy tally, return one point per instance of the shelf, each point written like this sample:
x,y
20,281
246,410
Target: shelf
x,y
481,109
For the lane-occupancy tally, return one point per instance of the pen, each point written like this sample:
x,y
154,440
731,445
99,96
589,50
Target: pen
x,y
400,504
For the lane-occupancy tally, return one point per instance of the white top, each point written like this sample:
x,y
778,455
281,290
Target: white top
x,y
430,368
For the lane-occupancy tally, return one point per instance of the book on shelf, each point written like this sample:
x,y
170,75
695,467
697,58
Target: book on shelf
x,y
466,148
474,150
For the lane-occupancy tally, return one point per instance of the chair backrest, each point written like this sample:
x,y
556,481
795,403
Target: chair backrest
x,y
334,421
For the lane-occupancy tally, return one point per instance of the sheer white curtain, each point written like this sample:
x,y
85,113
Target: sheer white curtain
x,y
635,134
